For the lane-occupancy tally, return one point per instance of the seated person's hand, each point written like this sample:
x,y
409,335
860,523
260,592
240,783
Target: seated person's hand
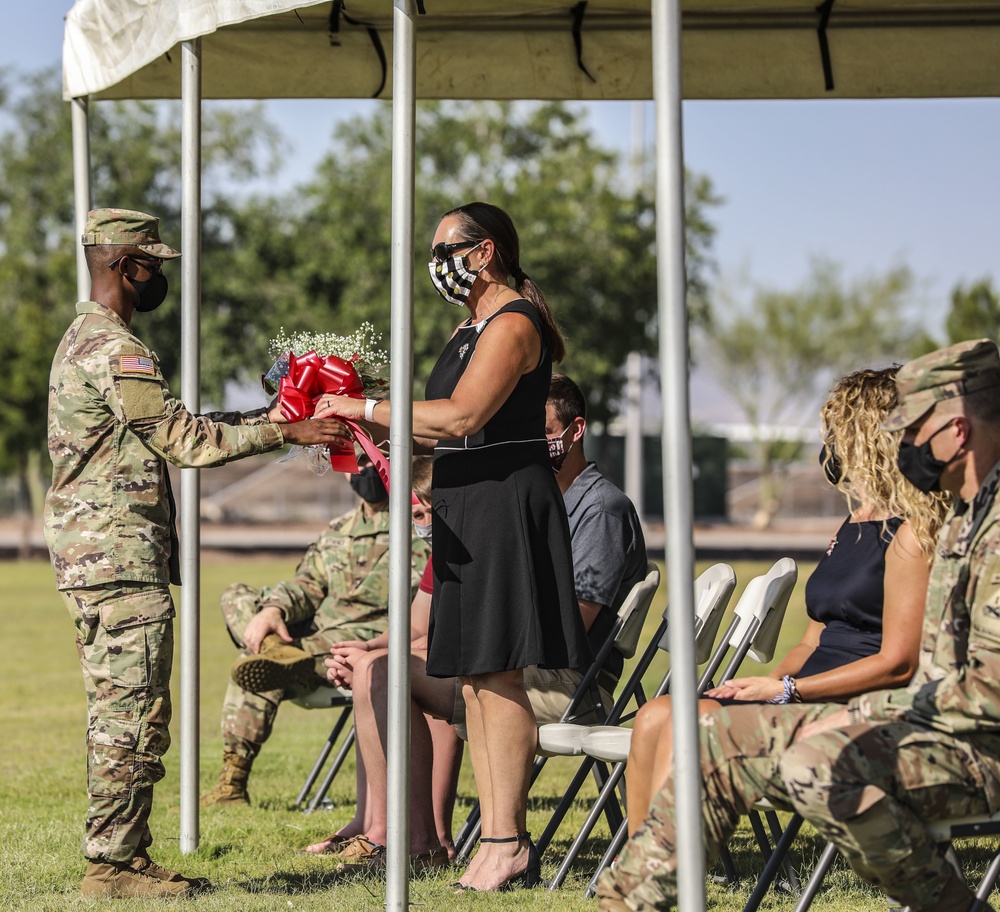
x,y
267,620
340,662
419,644
758,688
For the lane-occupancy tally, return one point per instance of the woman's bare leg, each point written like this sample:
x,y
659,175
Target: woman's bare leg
x,y
651,756
448,750
510,733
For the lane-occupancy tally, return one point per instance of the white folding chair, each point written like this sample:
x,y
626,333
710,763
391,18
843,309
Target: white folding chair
x,y
327,698
757,620
623,637
713,589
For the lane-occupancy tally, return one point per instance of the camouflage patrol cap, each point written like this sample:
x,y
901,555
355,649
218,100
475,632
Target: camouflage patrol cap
x,y
127,228
947,373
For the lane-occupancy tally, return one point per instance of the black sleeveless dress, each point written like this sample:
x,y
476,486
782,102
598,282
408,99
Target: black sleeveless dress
x,y
845,592
503,569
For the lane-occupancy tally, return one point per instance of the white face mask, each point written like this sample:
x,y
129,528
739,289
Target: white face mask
x,y
424,531
452,277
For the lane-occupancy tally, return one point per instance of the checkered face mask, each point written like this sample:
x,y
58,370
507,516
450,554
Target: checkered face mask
x,y
452,277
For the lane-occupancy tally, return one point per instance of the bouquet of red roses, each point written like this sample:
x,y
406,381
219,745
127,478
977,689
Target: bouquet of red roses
x,y
308,365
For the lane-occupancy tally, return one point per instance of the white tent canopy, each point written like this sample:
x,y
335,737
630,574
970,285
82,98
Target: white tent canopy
x,y
746,49
612,49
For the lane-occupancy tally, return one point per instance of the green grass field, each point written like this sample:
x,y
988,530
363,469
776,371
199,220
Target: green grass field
x,y
251,854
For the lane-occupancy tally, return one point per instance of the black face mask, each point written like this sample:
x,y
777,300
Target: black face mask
x,y
918,465
368,486
151,292
831,464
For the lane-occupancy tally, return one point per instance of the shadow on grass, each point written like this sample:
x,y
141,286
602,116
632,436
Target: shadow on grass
x,y
304,881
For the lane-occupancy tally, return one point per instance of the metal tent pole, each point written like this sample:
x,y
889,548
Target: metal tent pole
x,y
191,394
404,111
677,475
80,117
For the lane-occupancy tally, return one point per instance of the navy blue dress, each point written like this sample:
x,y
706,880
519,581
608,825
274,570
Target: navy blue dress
x,y
845,592
503,568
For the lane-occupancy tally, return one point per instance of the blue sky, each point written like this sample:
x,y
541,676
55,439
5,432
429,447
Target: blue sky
x,y
868,184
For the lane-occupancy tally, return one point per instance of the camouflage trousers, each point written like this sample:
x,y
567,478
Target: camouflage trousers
x,y
869,788
247,718
124,638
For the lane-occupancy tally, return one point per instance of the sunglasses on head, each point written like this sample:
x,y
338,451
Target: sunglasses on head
x,y
442,251
152,264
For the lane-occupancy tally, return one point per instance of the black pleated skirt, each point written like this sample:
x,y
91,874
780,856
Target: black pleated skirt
x,y
503,568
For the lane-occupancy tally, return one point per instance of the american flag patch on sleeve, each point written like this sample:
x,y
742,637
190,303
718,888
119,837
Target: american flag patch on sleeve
x,y
135,364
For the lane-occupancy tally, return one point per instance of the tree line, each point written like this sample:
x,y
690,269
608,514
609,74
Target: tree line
x,y
317,257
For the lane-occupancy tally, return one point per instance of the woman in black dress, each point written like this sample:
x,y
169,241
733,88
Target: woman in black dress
x,y
503,573
865,599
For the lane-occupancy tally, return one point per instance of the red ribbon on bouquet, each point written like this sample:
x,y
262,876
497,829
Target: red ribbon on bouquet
x,y
309,377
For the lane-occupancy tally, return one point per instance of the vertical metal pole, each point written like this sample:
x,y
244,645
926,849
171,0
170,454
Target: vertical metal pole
x,y
404,111
633,431
80,117
677,475
190,500
633,366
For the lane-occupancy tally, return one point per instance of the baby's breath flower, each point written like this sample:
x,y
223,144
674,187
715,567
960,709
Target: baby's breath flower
x,y
360,347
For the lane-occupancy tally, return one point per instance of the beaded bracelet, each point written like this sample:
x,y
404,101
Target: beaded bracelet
x,y
790,693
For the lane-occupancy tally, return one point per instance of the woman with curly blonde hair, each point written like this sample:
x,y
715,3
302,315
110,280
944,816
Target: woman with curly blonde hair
x,y
865,599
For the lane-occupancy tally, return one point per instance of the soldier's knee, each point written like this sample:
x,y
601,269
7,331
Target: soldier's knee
x,y
806,772
238,604
235,593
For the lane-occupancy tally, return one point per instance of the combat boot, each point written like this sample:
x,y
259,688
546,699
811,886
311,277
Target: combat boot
x,y
143,863
278,666
115,879
232,785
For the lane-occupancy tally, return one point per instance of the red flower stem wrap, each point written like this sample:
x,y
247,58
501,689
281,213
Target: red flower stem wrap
x,y
311,376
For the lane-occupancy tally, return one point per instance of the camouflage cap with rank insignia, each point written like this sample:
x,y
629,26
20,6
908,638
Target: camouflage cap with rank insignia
x,y
127,228
947,373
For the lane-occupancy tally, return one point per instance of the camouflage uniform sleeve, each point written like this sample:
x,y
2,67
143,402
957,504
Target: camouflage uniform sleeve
x,y
140,398
967,697
372,591
300,597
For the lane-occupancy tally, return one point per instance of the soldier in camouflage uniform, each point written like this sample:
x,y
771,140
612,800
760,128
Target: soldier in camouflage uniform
x,y
109,526
871,775
340,591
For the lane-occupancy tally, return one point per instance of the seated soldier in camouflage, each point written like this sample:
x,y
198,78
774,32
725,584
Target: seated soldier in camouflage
x,y
340,591
873,775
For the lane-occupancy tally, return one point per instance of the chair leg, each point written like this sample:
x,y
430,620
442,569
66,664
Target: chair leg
x,y
614,847
606,793
776,834
731,877
816,878
324,754
468,837
778,858
565,803
989,879
334,769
